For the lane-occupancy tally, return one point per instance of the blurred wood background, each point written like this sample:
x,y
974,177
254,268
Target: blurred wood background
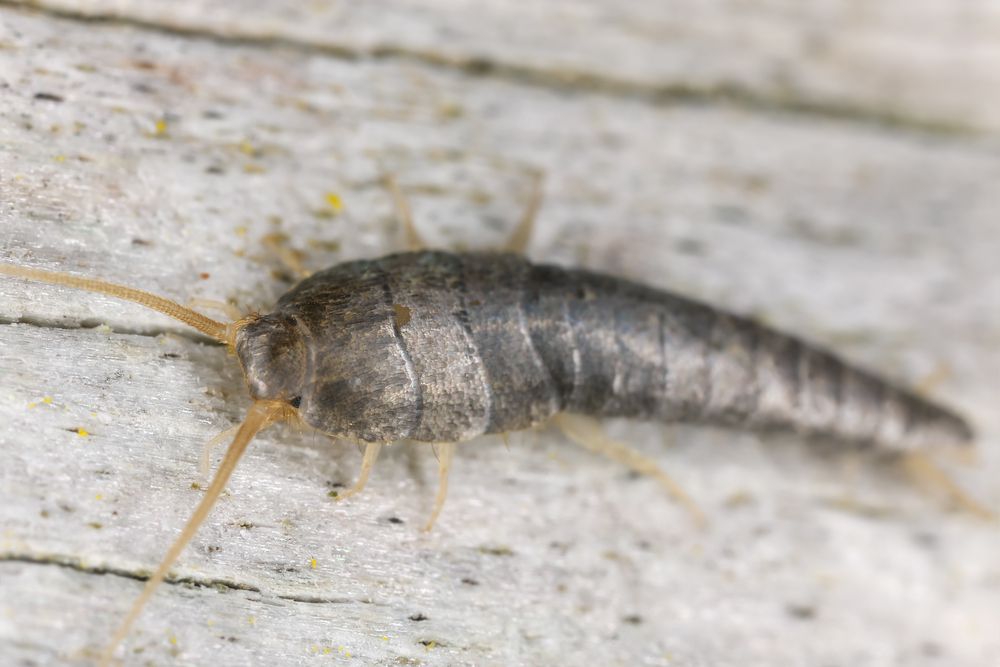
x,y
831,169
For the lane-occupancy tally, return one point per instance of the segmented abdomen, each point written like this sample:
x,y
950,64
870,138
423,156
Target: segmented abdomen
x,y
455,345
620,349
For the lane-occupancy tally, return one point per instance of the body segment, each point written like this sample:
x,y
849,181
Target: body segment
x,y
443,347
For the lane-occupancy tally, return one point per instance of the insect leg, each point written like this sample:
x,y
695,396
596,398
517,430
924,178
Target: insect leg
x,y
445,453
206,452
404,214
930,382
292,259
587,432
922,470
519,240
371,455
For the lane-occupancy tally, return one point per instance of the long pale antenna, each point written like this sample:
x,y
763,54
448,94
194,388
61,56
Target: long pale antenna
x,y
208,326
260,415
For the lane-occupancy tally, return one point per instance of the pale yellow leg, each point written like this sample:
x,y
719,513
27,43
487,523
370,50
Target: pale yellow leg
x,y
941,373
206,451
519,240
587,432
371,455
445,453
924,472
292,259
850,469
404,214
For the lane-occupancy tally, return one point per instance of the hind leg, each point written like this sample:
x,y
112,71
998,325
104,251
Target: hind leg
x,y
926,474
587,433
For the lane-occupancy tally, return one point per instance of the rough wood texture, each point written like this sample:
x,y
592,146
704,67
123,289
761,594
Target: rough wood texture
x,y
161,159
903,62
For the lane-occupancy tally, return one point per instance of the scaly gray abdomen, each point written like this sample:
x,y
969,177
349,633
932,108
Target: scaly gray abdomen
x,y
620,349
443,347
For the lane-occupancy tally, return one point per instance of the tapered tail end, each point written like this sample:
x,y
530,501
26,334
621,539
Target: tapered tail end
x,y
930,427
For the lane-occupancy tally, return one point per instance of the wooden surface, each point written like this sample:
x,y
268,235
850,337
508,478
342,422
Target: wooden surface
x,y
902,62
161,157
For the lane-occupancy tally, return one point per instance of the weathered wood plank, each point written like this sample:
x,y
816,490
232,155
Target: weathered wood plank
x,y
905,62
880,243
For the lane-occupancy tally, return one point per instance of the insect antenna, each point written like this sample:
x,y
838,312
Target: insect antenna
x,y
260,415
217,330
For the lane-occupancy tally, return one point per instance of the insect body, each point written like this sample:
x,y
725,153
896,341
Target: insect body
x,y
443,347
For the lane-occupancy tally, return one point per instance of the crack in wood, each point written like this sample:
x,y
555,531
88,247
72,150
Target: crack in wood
x,y
93,323
726,94
76,565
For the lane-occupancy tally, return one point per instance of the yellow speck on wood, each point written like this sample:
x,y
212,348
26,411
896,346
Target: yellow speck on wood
x,y
451,110
173,640
82,432
241,230
60,158
334,201
32,405
99,496
251,620
160,129
430,645
385,638
312,563
247,148
47,400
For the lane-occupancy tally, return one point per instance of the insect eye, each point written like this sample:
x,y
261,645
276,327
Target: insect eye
x,y
296,402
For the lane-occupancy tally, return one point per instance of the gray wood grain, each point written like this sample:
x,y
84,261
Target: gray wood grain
x,y
160,160
900,62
